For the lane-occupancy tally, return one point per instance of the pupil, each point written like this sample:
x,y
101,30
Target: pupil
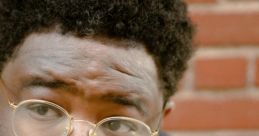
x,y
42,110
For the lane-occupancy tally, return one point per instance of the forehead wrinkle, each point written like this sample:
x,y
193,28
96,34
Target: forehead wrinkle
x,y
103,83
140,66
142,62
85,55
127,84
135,60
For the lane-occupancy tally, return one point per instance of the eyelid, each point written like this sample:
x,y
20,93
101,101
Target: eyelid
x,y
125,123
55,109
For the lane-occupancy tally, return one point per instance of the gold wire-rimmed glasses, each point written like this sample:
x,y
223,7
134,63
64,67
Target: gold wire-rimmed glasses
x,y
36,117
44,118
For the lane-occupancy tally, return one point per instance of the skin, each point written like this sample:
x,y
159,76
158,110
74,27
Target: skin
x,y
92,78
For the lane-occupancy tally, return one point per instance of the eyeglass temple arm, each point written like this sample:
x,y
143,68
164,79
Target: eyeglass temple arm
x,y
169,104
156,132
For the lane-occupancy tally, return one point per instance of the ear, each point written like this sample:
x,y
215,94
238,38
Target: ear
x,y
170,105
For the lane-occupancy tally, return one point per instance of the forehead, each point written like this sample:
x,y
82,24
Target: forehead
x,y
66,53
70,49
91,61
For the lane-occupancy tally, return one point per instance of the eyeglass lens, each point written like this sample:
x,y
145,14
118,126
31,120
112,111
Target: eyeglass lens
x,y
121,127
39,118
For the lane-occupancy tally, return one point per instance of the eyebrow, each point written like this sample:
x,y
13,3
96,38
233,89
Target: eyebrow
x,y
126,101
34,82
118,98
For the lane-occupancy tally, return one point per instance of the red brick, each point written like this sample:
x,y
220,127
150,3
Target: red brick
x,y
220,73
199,113
226,28
257,73
242,1
200,1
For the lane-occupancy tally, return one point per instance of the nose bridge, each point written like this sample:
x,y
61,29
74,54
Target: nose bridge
x,y
81,128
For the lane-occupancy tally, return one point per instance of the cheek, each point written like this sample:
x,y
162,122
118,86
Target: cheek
x,y
5,118
5,110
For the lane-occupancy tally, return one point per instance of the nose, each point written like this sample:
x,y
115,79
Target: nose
x,y
81,128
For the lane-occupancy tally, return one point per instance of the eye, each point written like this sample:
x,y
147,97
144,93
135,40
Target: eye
x,y
120,126
44,112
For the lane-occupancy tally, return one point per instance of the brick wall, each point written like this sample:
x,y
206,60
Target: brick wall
x,y
219,95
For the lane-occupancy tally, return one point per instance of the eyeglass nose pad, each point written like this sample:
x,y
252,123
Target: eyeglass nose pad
x,y
82,128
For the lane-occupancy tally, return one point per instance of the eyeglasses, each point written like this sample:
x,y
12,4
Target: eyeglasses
x,y
44,118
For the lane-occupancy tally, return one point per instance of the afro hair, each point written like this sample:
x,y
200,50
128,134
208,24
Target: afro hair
x,y
161,25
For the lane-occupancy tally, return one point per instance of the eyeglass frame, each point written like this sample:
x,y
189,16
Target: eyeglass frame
x,y
69,128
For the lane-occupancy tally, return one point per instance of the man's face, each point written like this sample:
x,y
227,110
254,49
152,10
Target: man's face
x,y
91,78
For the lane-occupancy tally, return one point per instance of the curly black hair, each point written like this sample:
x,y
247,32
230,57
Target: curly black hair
x,y
161,25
